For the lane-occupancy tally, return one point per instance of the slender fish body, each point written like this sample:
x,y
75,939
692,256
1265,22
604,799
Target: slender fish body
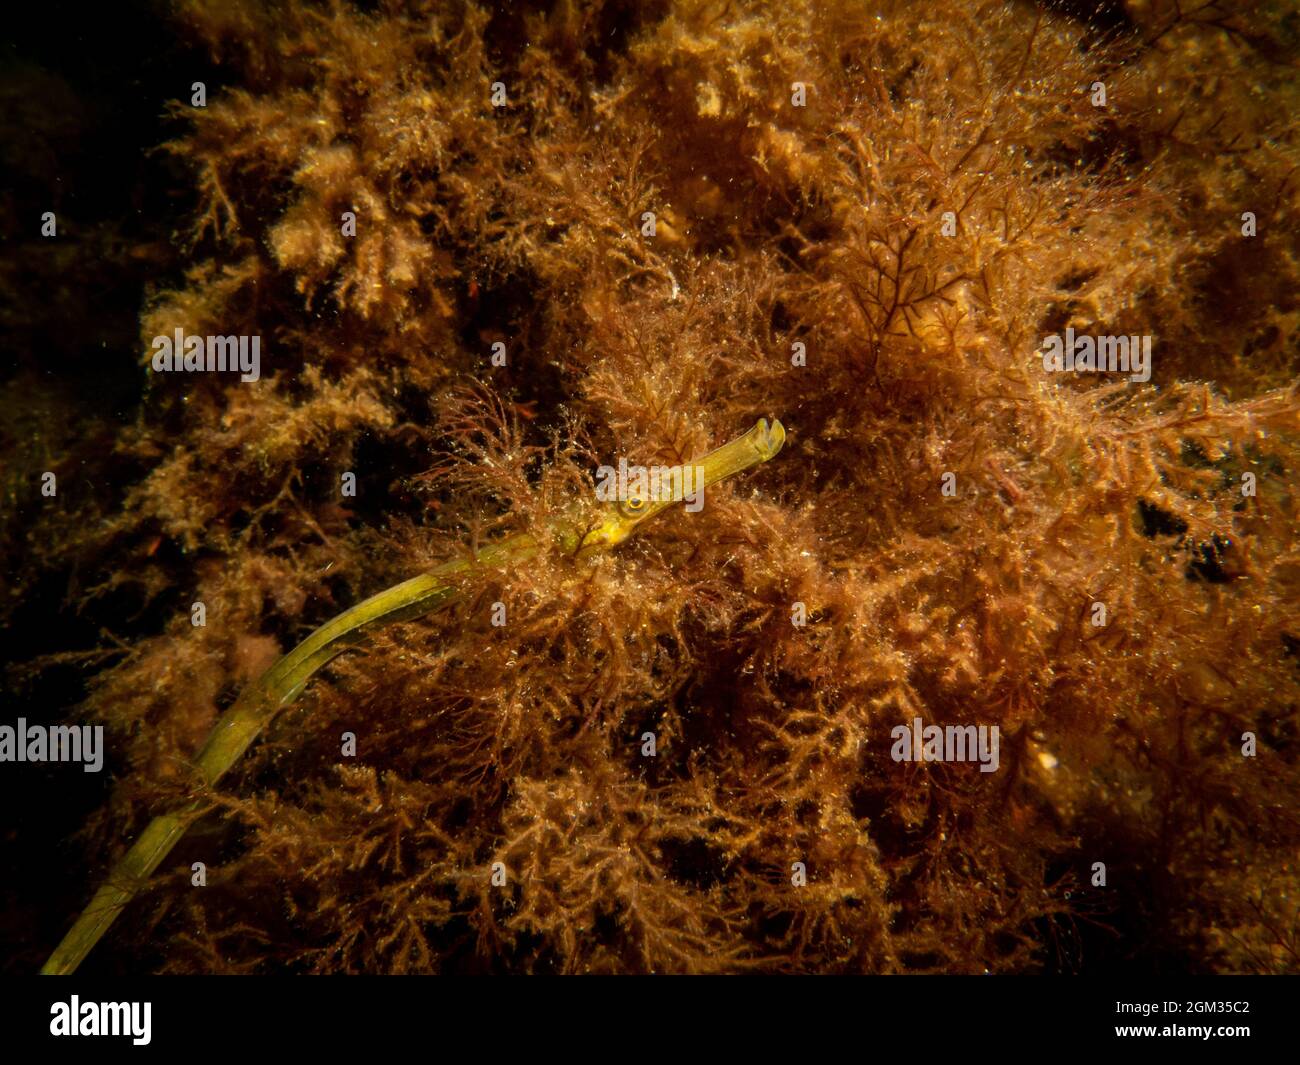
x,y
280,685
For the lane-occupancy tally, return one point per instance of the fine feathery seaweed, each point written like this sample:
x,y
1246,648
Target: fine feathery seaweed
x,y
488,246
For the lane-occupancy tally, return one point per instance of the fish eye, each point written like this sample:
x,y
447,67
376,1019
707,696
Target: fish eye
x,y
633,506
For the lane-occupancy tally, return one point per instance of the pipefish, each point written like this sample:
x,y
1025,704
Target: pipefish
x,y
572,535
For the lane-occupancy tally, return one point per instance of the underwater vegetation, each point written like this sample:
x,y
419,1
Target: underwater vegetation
x,y
674,217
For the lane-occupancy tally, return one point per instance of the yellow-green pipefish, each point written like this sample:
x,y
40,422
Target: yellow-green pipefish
x,y
572,535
